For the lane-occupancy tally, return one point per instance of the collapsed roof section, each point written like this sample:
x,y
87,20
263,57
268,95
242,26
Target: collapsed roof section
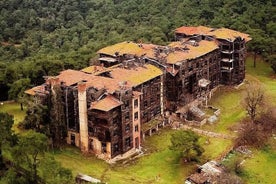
x,y
171,54
106,104
193,30
190,50
118,78
220,33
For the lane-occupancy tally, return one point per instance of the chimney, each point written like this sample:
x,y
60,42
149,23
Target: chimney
x,y
83,116
53,81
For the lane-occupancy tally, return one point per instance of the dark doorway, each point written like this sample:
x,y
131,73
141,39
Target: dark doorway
x,y
137,142
73,139
192,81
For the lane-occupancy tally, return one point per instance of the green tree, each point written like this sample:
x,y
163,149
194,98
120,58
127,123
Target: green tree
x,y
17,89
57,120
6,122
257,44
273,63
53,173
28,152
37,118
253,100
186,142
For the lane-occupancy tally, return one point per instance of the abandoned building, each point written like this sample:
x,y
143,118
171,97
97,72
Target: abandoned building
x,y
209,173
107,107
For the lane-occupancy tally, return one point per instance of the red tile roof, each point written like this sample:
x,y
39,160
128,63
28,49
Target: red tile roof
x,y
228,34
70,77
221,33
37,89
189,51
196,30
136,76
106,104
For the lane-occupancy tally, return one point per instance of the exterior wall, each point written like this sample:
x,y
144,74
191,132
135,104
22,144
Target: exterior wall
x,y
232,63
126,120
183,88
71,108
150,99
136,122
105,128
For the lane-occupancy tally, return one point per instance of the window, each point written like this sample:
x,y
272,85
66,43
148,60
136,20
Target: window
x,y
136,115
115,133
115,121
135,103
145,104
145,115
104,147
151,100
116,147
127,127
127,142
126,104
136,128
127,116
90,129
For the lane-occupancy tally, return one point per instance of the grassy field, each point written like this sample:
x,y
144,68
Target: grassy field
x,y
263,73
158,165
261,167
229,101
161,165
13,108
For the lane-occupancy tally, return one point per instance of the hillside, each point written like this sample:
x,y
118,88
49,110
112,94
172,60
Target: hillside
x,y
42,37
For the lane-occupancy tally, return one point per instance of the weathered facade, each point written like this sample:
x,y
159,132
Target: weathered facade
x,y
106,106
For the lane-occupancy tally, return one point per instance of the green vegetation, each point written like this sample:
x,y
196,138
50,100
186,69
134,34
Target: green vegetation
x,y
40,38
159,165
229,101
187,144
13,108
263,73
214,147
261,167
162,165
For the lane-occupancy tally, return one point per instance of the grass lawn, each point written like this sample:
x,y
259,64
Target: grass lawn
x,y
261,167
162,165
13,108
229,101
264,74
214,147
158,165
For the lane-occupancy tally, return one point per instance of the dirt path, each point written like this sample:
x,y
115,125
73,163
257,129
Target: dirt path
x,y
206,133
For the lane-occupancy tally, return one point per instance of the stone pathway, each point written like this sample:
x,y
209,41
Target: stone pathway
x,y
206,133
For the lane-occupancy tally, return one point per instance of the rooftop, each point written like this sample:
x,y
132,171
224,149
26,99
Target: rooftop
x,y
122,48
36,89
228,34
70,77
221,33
106,104
137,75
93,69
193,30
190,51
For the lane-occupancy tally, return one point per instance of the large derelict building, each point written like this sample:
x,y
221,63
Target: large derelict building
x,y
108,108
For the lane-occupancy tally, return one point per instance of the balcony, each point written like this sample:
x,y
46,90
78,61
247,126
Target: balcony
x,y
227,60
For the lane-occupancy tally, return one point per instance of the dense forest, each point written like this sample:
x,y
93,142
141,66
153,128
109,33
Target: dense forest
x,y
42,37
